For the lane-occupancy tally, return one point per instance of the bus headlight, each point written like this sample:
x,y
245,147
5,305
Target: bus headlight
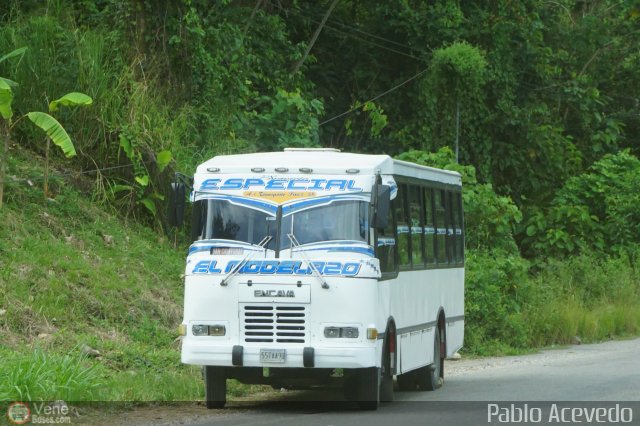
x,y
344,332
331,332
208,330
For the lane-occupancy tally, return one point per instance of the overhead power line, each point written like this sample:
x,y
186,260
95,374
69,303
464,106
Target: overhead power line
x,y
375,97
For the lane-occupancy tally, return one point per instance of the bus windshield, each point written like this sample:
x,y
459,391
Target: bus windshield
x,y
339,220
220,219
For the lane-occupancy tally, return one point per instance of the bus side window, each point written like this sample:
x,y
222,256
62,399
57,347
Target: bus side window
x,y
386,250
429,227
416,218
441,230
402,227
459,229
451,240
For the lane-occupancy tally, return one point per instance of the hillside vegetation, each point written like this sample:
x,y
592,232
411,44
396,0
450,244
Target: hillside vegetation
x,y
541,96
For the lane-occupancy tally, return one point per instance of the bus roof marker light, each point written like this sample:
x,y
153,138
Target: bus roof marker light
x,y
352,171
213,169
257,169
281,169
305,170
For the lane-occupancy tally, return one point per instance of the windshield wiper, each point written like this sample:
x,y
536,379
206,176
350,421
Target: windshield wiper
x,y
296,244
225,280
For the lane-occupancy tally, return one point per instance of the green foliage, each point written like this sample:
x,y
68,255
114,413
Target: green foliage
x,y
54,131
287,120
6,98
458,70
591,296
494,297
70,99
42,376
596,210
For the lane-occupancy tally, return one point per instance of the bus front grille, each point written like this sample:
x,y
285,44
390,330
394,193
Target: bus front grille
x,y
274,324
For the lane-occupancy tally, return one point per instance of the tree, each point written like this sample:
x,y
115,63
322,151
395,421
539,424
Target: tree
x,y
457,75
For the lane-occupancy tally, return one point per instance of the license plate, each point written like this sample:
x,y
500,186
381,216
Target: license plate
x,y
273,355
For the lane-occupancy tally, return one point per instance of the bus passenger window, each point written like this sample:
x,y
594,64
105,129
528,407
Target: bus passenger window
x,y
458,229
416,217
441,230
400,207
429,227
451,241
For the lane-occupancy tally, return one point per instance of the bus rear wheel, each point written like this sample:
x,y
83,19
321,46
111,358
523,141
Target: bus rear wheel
x,y
215,386
429,377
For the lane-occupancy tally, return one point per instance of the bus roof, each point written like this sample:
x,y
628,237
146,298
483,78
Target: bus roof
x,y
324,161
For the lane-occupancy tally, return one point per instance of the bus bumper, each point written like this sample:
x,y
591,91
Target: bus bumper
x,y
205,353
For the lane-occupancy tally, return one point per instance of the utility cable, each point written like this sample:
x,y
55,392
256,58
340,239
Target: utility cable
x,y
375,97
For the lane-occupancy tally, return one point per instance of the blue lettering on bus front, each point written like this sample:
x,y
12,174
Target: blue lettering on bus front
x,y
209,184
332,268
350,186
350,269
213,269
251,267
338,183
232,184
292,184
269,267
276,184
317,183
298,184
231,265
201,267
253,182
286,267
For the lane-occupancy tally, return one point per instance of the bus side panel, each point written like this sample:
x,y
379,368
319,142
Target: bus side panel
x,y
416,298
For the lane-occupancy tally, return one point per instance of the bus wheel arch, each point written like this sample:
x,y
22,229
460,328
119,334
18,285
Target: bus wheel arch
x,y
443,340
389,362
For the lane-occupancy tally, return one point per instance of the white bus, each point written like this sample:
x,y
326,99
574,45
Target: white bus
x,y
312,267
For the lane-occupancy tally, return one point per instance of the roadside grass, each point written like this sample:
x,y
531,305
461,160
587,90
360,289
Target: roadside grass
x,y
73,275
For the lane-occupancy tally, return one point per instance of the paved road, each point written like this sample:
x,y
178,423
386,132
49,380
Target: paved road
x,y
602,372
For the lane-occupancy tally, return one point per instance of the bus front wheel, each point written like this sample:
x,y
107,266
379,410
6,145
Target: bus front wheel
x,y
368,388
215,386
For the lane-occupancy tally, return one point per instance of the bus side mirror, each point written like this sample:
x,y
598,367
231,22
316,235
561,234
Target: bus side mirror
x,y
382,203
175,211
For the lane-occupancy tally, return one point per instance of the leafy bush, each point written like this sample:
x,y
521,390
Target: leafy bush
x,y
597,210
496,289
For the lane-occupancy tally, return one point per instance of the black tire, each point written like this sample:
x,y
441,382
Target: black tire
x,y
215,386
368,385
429,376
350,388
407,381
386,377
